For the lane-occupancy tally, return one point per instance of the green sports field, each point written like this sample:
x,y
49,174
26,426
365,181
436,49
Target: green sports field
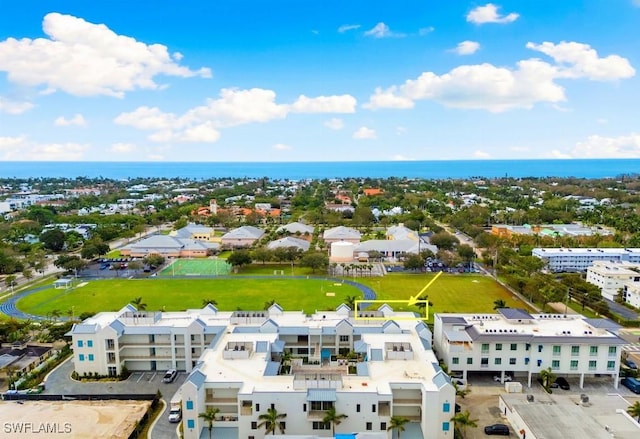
x,y
449,293
197,267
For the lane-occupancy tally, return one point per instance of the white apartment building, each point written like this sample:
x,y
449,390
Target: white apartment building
x,y
580,259
631,293
370,367
516,342
611,277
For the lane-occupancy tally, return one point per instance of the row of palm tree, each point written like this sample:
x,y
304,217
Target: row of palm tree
x,y
272,420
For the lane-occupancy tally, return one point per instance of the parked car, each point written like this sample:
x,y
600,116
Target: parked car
x,y
632,384
497,429
507,378
175,415
631,364
169,376
563,383
456,375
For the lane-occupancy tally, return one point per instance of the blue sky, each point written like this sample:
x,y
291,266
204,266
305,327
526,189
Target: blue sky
x,y
250,80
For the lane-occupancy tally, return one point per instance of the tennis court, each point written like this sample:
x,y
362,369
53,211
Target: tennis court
x,y
197,267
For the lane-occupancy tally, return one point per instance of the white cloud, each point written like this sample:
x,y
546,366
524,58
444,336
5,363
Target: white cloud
x,y
347,27
365,133
557,154
281,147
87,59
334,124
479,154
14,107
401,158
233,107
466,47
77,120
388,99
425,30
122,148
381,30
497,89
325,104
21,148
577,60
608,147
489,14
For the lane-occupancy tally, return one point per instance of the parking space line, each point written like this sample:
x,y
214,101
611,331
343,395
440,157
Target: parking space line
x,y
141,376
152,377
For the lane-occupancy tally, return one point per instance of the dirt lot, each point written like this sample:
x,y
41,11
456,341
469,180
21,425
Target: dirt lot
x,y
482,404
70,419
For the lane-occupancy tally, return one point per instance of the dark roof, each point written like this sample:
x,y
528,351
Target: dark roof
x,y
603,324
453,320
515,314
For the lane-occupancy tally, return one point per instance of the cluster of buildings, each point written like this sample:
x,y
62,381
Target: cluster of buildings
x,y
369,365
549,230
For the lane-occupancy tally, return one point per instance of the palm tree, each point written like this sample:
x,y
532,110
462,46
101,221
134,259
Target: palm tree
x,y
461,392
209,416
139,304
547,377
350,301
499,303
286,361
334,418
206,302
463,420
397,423
634,410
271,421
55,314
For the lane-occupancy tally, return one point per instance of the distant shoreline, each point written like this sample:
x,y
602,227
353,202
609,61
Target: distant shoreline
x,y
430,170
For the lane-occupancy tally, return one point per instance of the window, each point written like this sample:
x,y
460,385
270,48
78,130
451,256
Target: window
x,y
273,406
111,357
80,343
611,365
498,346
191,423
257,407
612,351
89,343
455,360
593,364
485,347
484,362
358,408
557,351
540,348
254,425
555,364
373,408
446,407
304,407
344,338
574,365
81,357
527,346
189,404
575,351
283,426
383,426
369,426
112,371
110,343
526,360
514,346
317,406
593,351
512,361
497,361
469,360
445,426
90,357
321,425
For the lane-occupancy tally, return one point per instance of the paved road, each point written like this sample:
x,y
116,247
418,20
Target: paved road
x,y
59,382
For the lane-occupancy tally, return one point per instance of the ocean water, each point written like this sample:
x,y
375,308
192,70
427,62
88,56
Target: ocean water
x,y
319,170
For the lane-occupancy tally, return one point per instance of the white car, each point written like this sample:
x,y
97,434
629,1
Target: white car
x,y
175,415
507,378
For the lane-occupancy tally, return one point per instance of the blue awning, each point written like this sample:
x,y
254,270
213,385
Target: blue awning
x,y
321,395
326,353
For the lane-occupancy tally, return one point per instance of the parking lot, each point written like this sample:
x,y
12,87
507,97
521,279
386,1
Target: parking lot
x,y
482,401
59,382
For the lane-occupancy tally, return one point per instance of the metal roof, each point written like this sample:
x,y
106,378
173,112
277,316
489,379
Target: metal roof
x,y
272,369
603,324
262,346
323,395
457,336
376,355
362,369
514,314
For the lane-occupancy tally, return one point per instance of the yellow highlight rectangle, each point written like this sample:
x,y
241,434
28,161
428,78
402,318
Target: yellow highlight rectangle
x,y
426,310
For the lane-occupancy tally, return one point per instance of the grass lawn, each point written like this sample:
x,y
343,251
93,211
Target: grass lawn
x,y
113,254
258,268
224,254
179,294
449,293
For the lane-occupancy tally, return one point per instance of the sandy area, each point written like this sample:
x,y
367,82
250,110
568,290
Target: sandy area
x,y
70,419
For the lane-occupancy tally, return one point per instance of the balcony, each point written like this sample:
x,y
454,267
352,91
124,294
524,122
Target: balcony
x,y
407,401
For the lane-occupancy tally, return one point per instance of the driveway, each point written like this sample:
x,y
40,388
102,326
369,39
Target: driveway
x,y
59,382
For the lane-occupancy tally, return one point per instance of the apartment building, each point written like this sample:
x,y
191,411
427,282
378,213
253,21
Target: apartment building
x,y
369,366
611,277
631,293
580,259
516,342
